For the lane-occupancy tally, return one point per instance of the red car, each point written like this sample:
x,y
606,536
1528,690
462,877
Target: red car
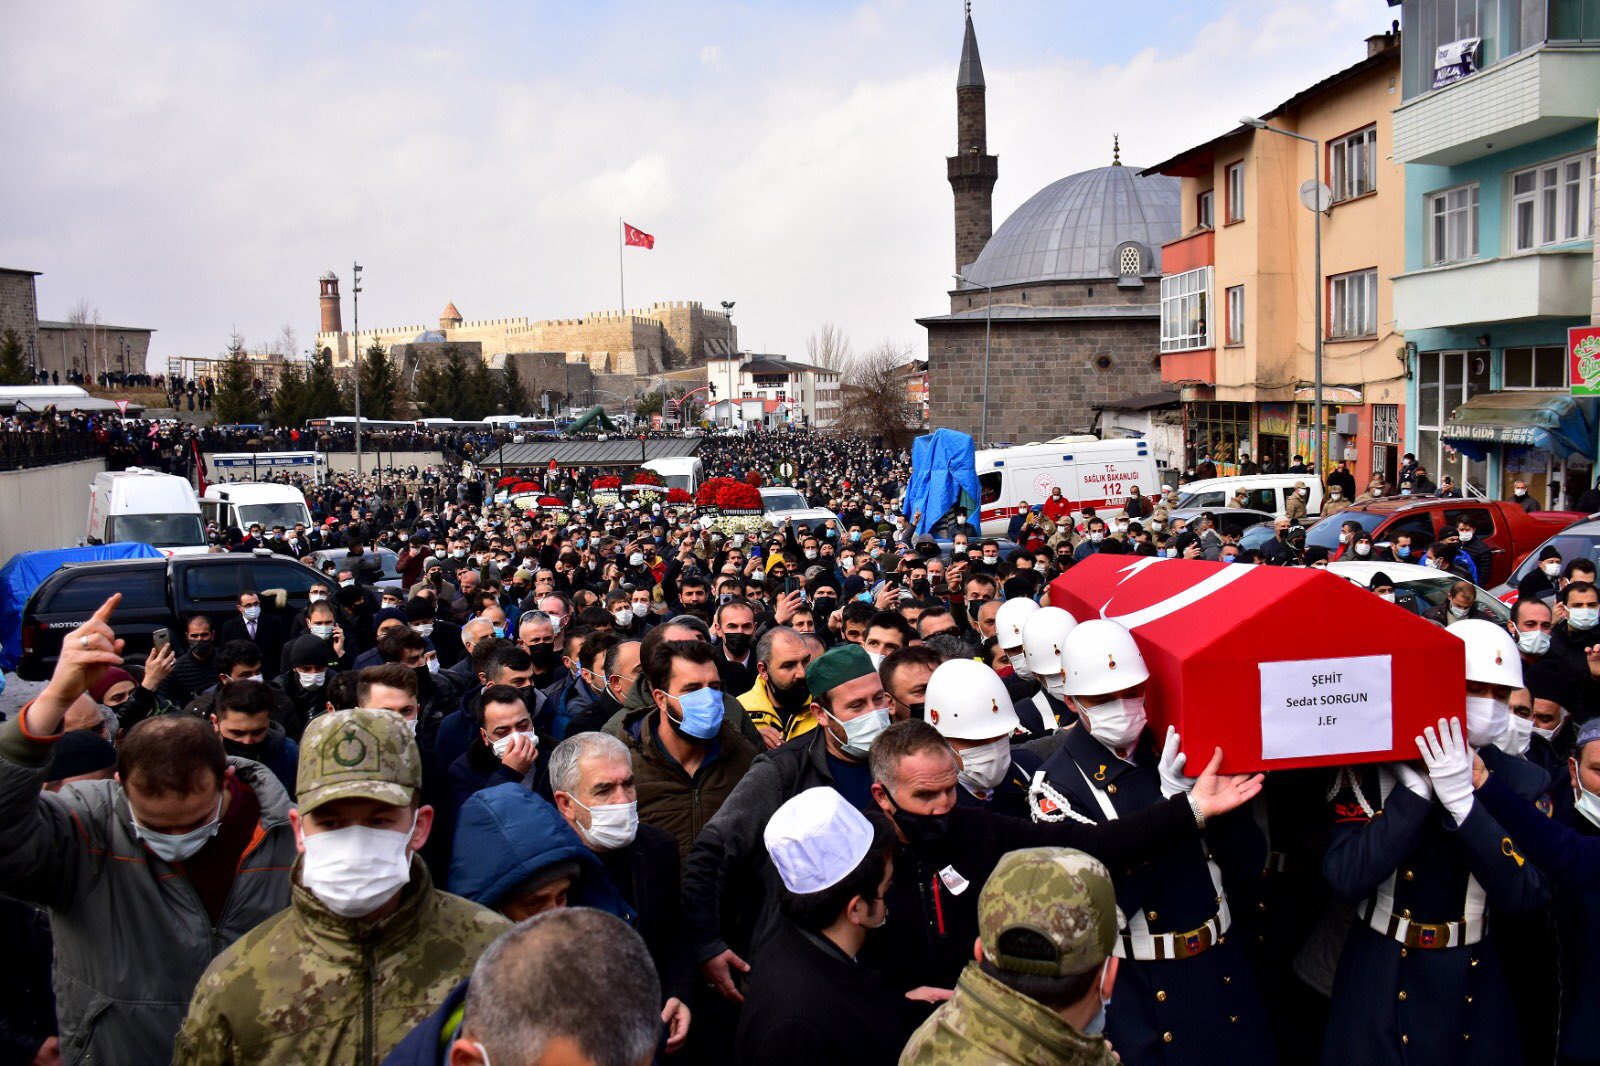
x,y
1509,531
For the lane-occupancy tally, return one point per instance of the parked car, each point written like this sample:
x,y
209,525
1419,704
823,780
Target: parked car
x,y
1263,492
1256,536
156,594
1509,531
1581,540
1234,520
1417,588
389,561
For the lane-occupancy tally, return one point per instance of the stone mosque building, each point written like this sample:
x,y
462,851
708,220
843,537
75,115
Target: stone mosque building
x,y
1071,283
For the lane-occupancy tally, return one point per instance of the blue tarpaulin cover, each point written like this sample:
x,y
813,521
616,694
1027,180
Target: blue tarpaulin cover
x,y
1549,420
27,571
942,475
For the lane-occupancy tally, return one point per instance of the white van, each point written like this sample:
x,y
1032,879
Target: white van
x,y
1089,471
245,503
680,472
1263,492
146,507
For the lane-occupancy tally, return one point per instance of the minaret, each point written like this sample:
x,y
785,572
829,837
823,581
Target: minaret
x,y
972,170
331,320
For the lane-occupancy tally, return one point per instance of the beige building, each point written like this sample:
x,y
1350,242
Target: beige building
x,y
663,336
1239,287
67,348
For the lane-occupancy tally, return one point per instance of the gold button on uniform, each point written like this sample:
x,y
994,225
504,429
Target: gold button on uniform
x,y
1408,875
1111,789
1161,996
1404,1039
1150,915
1166,1038
1406,914
1402,996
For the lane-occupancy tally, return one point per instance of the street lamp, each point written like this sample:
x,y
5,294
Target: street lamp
x,y
733,355
1312,195
355,293
988,321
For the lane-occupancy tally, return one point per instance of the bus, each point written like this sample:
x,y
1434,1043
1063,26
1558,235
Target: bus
x,y
368,424
426,424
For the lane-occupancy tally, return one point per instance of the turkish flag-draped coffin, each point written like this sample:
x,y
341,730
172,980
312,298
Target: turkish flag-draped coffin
x,y
1279,667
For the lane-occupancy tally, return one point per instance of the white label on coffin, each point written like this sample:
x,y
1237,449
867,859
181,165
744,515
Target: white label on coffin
x,y
1326,707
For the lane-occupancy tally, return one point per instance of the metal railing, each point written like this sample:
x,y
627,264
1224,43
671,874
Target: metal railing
x,y
31,448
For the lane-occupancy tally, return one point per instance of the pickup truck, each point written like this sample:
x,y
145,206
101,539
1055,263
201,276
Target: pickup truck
x,y
156,593
1509,531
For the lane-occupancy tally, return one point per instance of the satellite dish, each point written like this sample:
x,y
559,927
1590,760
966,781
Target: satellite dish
x,y
1315,195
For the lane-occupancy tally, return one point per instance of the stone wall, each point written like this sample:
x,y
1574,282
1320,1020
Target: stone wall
x,y
19,308
1102,292
92,349
1044,377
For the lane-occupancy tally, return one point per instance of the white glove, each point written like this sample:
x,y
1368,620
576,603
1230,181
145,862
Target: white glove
x,y
1173,781
1414,781
1449,762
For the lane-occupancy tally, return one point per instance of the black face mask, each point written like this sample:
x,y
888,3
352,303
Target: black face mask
x,y
543,656
918,710
973,607
200,649
792,698
923,832
738,644
921,588
239,748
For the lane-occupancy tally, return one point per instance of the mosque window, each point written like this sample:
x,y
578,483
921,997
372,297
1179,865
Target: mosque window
x,y
1103,363
1129,262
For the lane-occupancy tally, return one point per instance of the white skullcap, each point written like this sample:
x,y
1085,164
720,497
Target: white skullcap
x,y
816,839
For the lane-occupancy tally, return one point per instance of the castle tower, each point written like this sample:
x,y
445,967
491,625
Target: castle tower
x,y
449,318
331,320
972,170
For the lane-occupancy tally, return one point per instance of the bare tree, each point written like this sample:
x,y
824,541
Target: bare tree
x,y
875,401
288,342
85,320
828,348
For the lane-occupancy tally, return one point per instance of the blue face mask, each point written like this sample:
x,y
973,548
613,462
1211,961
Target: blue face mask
x,y
499,632
702,713
855,534
1404,551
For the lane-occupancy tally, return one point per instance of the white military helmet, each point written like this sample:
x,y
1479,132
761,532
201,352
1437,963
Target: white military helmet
x,y
1101,657
1492,657
1008,623
967,701
1043,635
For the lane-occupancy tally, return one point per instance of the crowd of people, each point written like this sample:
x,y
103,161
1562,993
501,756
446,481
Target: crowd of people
x,y
608,784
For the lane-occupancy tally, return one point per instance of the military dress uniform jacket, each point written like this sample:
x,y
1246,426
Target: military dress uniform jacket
x,y
308,986
987,1024
1441,995
1198,1002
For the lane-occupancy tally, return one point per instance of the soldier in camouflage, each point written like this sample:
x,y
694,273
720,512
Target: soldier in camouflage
x,y
368,947
1047,921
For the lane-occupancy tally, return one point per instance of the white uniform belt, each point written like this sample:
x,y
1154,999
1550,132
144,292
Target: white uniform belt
x,y
1379,914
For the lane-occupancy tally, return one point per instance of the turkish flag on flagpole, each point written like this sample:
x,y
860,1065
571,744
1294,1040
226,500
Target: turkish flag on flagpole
x,y
637,238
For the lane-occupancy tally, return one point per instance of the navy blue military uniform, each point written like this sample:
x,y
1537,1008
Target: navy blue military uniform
x,y
1418,981
1009,797
1032,715
1187,993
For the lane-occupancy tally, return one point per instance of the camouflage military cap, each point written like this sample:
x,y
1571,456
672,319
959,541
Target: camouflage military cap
x,y
363,753
1064,896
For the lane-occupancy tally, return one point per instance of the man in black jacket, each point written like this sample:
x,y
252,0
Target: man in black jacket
x,y
252,624
591,780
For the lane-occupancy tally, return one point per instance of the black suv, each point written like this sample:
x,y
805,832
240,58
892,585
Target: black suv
x,y
156,593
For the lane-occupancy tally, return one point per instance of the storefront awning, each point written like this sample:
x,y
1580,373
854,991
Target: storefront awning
x,y
1547,419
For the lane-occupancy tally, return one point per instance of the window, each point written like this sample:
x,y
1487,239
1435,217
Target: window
x,y
1552,203
1536,368
989,487
1454,224
1353,304
1445,381
1186,310
1236,314
1204,210
143,588
1129,261
1236,193
1386,423
1353,164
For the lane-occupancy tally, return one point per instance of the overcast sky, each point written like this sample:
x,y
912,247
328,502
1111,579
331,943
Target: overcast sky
x,y
194,167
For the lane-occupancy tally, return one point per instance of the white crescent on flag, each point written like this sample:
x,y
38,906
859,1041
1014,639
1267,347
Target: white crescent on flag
x,y
1191,595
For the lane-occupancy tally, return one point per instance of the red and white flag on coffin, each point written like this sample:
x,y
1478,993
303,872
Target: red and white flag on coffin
x,y
638,238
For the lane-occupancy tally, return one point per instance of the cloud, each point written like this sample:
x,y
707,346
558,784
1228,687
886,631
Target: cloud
x,y
796,166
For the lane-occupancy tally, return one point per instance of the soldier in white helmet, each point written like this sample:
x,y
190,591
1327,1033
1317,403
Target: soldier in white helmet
x,y
1008,632
1044,632
969,705
1187,991
1419,979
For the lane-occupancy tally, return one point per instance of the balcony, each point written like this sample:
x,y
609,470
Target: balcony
x,y
1547,91
1554,284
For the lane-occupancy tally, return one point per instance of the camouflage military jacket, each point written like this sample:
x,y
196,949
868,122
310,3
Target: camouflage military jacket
x,y
985,1023
307,986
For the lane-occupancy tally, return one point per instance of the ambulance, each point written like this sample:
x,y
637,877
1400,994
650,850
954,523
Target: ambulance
x,y
1099,473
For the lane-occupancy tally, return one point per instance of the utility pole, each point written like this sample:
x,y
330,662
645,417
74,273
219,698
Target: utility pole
x,y
355,292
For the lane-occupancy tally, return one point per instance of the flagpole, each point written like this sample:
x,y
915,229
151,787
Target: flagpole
x,y
622,288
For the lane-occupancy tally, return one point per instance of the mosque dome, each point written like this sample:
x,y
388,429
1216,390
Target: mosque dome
x,y
1082,227
429,336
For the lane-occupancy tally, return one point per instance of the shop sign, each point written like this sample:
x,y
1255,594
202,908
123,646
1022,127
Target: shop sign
x,y
1583,356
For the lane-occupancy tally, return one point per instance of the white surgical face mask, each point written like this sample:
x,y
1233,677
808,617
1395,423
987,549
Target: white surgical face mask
x,y
313,680
252,613
1387,596
318,597
1116,723
176,847
1549,734
983,768
1458,611
357,869
1055,685
1019,665
1588,804
347,582
1514,741
877,659
611,825
1486,719
862,730
424,629
1465,535
624,616
1583,617
503,745
1533,642
1363,548
1552,569
323,631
